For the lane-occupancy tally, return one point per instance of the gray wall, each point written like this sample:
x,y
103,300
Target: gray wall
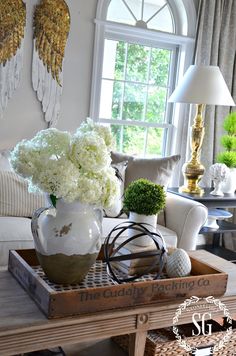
x,y
23,116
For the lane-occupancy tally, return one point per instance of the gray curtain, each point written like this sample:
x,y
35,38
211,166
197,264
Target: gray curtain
x,y
216,45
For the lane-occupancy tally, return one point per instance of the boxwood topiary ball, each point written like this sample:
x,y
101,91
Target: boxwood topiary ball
x,y
144,197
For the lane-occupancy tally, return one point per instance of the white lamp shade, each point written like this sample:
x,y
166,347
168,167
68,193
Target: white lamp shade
x,y
202,85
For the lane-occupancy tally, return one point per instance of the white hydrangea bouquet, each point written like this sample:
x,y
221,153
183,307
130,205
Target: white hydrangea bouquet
x,y
69,166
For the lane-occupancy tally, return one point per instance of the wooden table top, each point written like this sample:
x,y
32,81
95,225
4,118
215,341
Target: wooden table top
x,y
23,327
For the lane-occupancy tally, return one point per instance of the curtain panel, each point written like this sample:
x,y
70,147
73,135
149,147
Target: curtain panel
x,y
216,45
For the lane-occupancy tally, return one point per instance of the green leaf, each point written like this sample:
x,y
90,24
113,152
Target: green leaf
x,y
228,158
230,123
53,200
229,142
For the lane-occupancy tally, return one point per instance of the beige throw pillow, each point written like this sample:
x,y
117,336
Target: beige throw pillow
x,y
157,170
15,200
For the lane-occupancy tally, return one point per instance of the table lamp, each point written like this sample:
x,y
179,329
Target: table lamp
x,y
200,85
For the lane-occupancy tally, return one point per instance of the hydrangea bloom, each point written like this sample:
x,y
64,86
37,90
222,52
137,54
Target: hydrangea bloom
x,y
99,188
24,159
53,141
103,131
110,188
89,152
58,178
69,166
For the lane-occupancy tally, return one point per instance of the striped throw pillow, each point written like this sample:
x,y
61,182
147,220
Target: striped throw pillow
x,y
15,200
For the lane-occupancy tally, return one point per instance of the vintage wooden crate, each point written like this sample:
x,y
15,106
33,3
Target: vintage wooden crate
x,y
99,292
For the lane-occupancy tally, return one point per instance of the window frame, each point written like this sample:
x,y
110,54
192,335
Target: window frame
x,y
183,47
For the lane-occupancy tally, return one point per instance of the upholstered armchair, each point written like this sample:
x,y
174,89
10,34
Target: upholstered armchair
x,y
179,225
185,217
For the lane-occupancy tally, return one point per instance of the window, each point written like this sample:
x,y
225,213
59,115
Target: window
x,y
138,56
134,91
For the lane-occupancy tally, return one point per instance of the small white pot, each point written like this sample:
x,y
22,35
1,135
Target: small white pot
x,y
144,240
229,186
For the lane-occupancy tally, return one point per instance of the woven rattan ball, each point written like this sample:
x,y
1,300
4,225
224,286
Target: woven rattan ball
x,y
178,264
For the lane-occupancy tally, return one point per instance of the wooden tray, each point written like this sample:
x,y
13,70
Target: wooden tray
x,y
99,292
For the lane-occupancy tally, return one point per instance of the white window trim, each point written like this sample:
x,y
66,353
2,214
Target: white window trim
x,y
105,28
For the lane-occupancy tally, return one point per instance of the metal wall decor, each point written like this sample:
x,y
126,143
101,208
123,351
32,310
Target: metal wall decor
x,y
51,29
12,25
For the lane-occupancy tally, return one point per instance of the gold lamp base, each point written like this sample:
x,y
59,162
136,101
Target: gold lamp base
x,y
194,170
192,175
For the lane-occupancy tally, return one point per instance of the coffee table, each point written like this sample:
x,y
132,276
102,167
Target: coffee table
x,y
24,328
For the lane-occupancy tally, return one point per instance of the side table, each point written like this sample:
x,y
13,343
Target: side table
x,y
212,201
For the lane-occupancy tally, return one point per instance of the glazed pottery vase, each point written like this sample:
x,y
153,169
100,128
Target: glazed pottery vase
x,y
151,220
229,186
67,240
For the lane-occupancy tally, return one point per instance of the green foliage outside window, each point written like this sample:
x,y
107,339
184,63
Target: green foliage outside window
x,y
137,63
139,93
131,139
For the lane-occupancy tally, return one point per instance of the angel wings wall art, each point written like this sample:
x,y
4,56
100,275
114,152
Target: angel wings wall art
x,y
51,30
12,26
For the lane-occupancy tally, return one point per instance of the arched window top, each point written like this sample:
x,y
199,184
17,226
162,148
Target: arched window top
x,y
150,14
171,16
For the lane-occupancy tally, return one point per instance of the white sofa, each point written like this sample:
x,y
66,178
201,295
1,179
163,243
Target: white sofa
x,y
183,217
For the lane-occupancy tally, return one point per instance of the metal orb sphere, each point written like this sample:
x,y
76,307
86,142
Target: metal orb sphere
x,y
111,248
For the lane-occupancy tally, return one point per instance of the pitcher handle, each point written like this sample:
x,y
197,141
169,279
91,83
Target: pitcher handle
x,y
36,231
99,214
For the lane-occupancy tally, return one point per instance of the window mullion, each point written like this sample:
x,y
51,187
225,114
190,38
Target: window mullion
x,y
129,9
126,81
156,13
121,138
145,141
134,123
122,98
142,10
123,88
146,101
170,85
148,77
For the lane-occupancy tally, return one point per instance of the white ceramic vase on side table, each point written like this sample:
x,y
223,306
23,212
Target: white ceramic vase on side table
x,y
229,186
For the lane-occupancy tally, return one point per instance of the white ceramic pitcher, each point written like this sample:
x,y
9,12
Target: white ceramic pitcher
x,y
67,240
